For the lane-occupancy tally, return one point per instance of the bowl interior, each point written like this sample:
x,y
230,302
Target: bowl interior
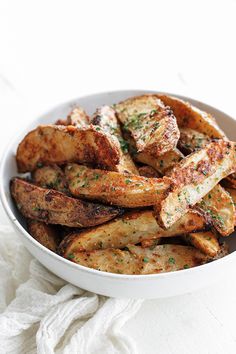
x,y
90,103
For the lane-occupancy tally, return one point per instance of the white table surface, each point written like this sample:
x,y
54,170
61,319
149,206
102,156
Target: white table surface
x,y
53,51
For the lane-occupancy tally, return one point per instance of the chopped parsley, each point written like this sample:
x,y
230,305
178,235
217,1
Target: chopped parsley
x,y
71,256
186,266
145,260
127,181
171,260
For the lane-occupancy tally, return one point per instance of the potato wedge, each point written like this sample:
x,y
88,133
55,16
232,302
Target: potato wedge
x,y
78,117
131,228
52,144
45,234
54,207
194,177
220,207
206,241
232,193
115,188
191,140
151,124
164,163
105,118
51,177
189,116
138,260
148,171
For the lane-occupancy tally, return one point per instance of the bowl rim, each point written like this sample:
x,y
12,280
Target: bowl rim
x,y
72,265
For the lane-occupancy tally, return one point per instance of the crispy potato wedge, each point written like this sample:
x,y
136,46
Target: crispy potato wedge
x,y
45,234
164,163
189,116
194,177
78,117
54,207
191,140
151,124
220,207
138,260
52,144
50,177
105,118
148,171
131,228
232,193
206,241
115,188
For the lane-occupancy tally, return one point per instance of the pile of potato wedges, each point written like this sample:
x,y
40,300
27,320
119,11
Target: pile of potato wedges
x,y
144,186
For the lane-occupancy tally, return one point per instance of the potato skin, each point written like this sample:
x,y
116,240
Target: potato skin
x,y
53,207
53,144
133,227
45,234
138,260
151,124
125,190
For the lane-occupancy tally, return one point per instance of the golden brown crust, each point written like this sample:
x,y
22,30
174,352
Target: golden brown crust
x,y
105,119
206,241
52,144
189,116
191,140
164,163
194,177
114,188
54,207
151,124
138,260
132,228
51,177
45,234
220,208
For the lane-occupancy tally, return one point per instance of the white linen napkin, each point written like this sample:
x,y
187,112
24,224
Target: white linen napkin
x,y
41,313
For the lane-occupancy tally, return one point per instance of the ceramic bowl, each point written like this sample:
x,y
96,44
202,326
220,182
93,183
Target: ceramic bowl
x,y
115,285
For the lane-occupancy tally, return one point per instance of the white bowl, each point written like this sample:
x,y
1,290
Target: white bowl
x,y
115,285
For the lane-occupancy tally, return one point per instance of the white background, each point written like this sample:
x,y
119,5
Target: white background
x,y
52,51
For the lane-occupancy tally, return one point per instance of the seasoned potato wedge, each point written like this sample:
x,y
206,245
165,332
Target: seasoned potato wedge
x,y
54,207
206,241
45,234
151,124
191,140
194,177
131,228
52,144
148,171
232,193
219,205
115,188
138,260
50,177
164,163
78,117
105,119
189,116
